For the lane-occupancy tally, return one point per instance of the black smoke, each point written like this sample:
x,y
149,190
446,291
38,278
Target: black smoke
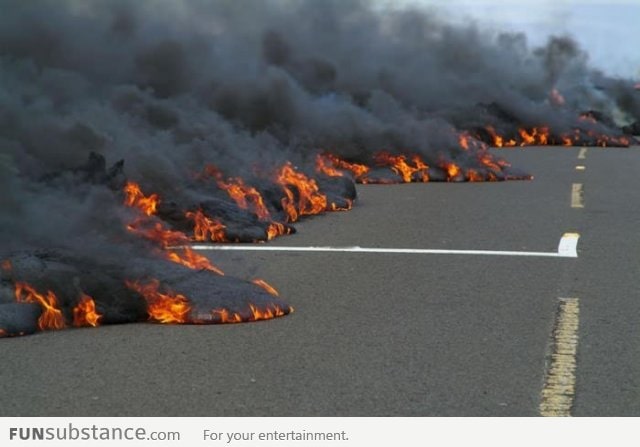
x,y
159,89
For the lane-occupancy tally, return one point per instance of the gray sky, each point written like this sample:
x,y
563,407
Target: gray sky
x,y
608,30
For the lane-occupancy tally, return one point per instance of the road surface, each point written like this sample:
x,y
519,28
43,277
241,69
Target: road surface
x,y
393,334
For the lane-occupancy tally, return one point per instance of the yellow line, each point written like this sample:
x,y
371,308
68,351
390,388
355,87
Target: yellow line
x,y
577,196
582,154
580,168
559,387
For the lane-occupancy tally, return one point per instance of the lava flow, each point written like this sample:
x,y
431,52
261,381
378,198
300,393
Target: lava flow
x,y
51,317
165,307
413,168
206,228
310,200
156,231
266,286
85,314
542,136
247,198
253,314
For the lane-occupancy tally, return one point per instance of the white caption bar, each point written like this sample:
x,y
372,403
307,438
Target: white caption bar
x,y
322,431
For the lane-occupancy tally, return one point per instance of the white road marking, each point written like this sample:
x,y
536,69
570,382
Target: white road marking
x,y
582,154
567,248
581,168
577,196
560,380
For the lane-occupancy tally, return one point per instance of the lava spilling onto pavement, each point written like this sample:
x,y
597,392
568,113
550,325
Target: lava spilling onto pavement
x,y
231,125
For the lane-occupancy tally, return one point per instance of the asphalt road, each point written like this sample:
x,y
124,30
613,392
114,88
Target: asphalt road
x,y
388,334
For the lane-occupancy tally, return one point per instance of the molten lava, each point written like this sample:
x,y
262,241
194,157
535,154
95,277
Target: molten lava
x,y
136,199
309,201
541,136
165,307
276,229
246,197
266,286
51,317
253,314
156,231
272,311
187,257
206,228
85,314
333,166
415,170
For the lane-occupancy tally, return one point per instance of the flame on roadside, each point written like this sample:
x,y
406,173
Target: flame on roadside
x,y
414,170
51,317
134,198
206,228
309,199
266,286
541,136
246,197
166,306
333,166
253,314
153,230
85,313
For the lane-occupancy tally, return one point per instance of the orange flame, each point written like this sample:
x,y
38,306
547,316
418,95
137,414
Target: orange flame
x,y
266,286
310,200
331,161
136,199
165,308
452,169
246,197
399,165
540,136
346,207
51,317
276,229
255,314
225,316
85,314
536,136
463,140
157,232
498,140
206,228
270,312
187,257
324,165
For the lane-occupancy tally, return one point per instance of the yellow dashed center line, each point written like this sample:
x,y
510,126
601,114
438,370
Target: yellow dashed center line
x,y
559,388
582,154
577,196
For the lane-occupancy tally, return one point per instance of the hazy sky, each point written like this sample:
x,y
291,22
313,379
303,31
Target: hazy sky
x,y
609,30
